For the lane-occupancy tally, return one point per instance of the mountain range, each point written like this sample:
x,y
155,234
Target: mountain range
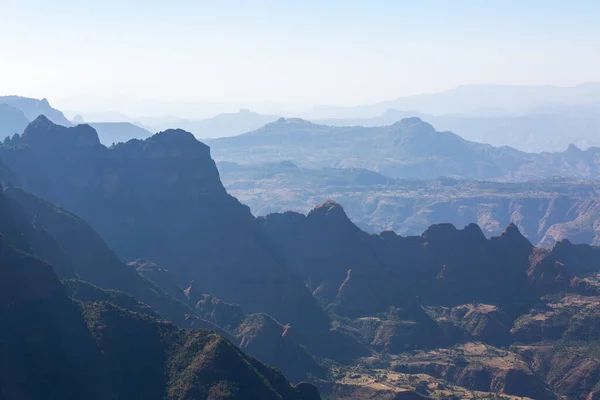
x,y
410,148
528,118
550,128
482,100
16,112
449,312
221,125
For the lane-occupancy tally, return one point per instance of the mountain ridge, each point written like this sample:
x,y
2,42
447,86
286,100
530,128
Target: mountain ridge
x,y
409,148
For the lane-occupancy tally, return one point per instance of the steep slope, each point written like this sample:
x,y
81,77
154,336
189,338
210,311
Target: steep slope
x,y
58,348
161,199
89,256
259,335
47,350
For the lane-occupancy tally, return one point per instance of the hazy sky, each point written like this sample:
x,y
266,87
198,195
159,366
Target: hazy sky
x,y
317,52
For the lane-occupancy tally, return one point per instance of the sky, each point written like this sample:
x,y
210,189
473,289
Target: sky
x,y
293,52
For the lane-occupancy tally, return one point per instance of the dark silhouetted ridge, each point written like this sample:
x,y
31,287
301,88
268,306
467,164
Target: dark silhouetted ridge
x,y
44,134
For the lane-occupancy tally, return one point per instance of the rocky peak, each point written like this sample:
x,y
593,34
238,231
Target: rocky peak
x,y
513,234
43,134
172,143
561,248
414,125
330,210
439,232
287,125
474,231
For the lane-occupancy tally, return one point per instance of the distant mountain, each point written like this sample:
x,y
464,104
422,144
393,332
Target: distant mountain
x,y
537,130
32,108
221,125
482,100
118,132
410,148
110,116
12,120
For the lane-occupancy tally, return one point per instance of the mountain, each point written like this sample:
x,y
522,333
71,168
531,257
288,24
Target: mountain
x,y
410,148
542,129
32,108
341,263
471,99
12,120
93,273
546,211
161,199
55,347
117,132
221,125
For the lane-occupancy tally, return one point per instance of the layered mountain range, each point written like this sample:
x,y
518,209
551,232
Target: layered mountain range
x,y
446,313
544,128
16,112
410,148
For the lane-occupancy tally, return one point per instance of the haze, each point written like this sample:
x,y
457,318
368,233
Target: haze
x,y
280,56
